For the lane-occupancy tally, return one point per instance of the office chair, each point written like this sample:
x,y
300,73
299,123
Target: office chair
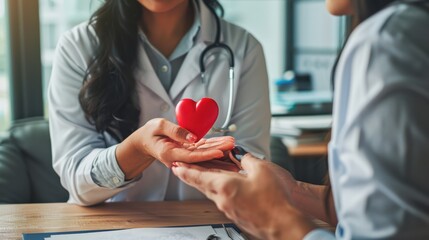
x,y
26,173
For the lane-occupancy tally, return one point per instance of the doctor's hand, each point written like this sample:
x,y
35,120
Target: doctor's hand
x,y
258,202
167,142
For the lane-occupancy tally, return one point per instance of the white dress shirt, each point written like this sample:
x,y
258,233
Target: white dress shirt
x,y
76,144
378,155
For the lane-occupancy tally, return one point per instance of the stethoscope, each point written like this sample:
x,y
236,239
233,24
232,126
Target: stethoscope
x,y
226,127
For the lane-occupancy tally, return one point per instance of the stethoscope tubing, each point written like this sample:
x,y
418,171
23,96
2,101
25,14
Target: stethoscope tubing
x,y
228,50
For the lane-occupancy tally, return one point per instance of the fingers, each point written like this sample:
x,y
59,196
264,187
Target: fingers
x,y
201,180
173,131
185,155
196,167
216,185
221,143
223,146
223,138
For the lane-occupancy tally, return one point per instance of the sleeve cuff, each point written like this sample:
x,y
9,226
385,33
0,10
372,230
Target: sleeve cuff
x,y
106,172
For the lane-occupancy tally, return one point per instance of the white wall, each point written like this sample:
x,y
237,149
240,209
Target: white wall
x,y
265,19
317,40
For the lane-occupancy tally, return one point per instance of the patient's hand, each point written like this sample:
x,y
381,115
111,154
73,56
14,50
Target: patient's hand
x,y
225,144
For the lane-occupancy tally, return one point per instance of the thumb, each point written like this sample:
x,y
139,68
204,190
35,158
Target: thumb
x,y
250,164
178,133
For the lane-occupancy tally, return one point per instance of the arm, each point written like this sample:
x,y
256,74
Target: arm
x,y
76,145
311,200
307,198
386,146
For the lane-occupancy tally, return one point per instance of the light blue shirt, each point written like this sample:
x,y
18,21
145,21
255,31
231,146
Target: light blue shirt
x,y
378,155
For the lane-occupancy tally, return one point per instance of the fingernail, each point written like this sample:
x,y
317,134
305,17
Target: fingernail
x,y
174,164
191,137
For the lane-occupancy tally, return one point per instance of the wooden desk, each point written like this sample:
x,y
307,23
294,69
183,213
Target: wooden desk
x,y
296,125
318,149
16,219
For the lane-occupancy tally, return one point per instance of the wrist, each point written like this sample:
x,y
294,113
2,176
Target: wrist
x,y
289,223
131,159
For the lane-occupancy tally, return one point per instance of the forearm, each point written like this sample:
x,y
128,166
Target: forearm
x,y
311,200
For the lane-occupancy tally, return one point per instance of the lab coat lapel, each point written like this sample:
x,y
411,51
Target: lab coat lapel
x,y
190,70
146,75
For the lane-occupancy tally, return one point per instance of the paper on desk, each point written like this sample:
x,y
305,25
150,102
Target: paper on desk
x,y
297,126
303,122
170,233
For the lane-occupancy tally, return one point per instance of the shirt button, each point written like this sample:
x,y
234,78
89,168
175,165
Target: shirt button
x,y
165,107
164,68
115,180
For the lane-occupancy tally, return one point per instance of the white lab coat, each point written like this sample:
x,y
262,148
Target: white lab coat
x,y
76,144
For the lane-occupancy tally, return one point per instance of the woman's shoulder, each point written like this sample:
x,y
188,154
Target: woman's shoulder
x,y
81,36
238,37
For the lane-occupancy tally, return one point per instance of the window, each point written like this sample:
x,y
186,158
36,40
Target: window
x,y
5,111
266,20
297,35
314,42
318,37
56,17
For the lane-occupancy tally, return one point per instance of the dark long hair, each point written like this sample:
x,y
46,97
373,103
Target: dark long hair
x,y
108,91
362,9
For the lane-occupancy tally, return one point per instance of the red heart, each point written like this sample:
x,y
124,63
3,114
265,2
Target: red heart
x,y
198,117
